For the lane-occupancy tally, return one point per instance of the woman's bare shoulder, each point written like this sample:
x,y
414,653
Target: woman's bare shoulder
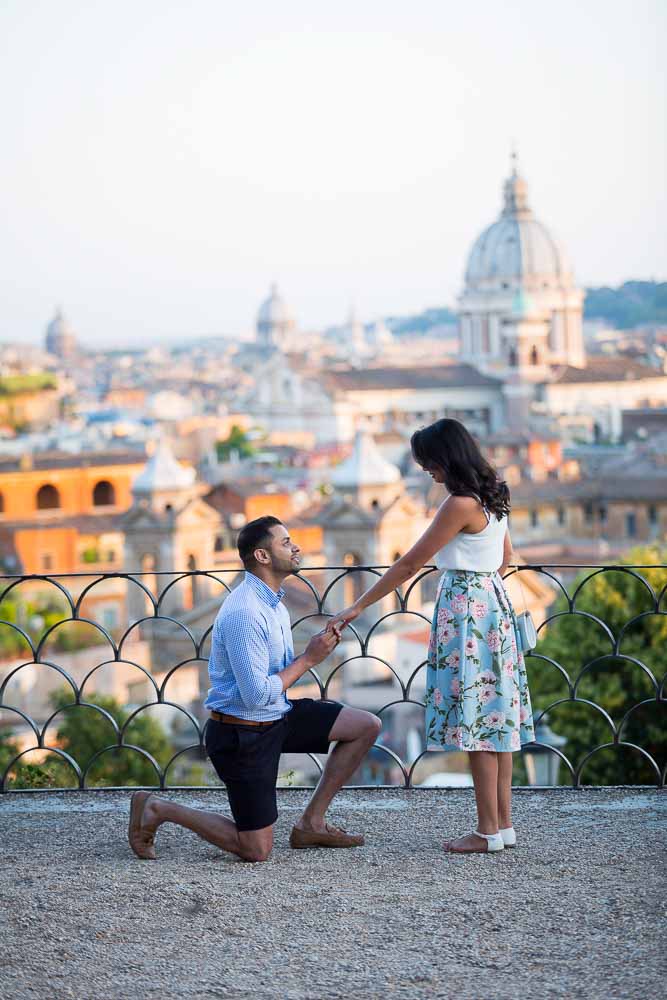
x,y
459,506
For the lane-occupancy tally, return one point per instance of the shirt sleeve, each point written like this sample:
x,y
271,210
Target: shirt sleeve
x,y
247,648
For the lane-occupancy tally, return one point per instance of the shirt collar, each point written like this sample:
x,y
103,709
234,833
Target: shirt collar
x,y
264,591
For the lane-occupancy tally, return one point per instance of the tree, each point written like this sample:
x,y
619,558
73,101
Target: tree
x,y
237,441
82,732
615,683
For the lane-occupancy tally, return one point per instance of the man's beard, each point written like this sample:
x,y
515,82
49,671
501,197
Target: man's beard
x,y
287,566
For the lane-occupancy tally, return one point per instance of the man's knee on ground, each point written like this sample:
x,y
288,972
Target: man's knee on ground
x,y
256,854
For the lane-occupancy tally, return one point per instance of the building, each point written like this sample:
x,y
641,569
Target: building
x,y
520,308
275,323
60,340
58,512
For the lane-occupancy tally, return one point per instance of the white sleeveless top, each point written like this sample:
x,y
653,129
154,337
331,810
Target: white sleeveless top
x,y
482,552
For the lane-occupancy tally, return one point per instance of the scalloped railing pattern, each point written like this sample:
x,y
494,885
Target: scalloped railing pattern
x,y
159,590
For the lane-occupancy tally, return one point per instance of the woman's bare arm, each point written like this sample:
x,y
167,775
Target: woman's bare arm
x,y
508,552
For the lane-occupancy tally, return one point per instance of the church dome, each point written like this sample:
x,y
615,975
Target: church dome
x,y
274,310
60,339
59,327
517,247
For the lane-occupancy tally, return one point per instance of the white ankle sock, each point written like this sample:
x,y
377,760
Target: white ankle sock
x,y
494,841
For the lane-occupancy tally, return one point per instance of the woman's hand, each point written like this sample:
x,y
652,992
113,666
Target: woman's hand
x,y
344,617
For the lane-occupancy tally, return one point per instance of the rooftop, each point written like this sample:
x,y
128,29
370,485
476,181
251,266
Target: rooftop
x,y
573,912
432,377
606,370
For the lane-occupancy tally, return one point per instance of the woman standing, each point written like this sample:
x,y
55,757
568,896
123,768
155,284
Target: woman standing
x,y
477,695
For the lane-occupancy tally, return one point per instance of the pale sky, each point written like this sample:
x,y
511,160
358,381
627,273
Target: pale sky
x,y
164,161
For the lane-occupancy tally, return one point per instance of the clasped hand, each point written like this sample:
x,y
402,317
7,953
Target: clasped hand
x,y
343,618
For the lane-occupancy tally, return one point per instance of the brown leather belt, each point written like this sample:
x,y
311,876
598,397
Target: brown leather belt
x,y
233,720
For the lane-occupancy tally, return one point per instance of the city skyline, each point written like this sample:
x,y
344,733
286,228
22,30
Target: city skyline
x,y
160,192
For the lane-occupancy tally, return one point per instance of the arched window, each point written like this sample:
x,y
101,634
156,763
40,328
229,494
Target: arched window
x,y
534,356
2,504
219,544
48,497
104,495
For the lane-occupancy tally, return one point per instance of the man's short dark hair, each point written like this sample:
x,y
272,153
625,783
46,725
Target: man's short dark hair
x,y
255,535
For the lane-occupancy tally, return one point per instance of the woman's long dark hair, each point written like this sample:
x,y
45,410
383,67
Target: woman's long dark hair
x,y
449,446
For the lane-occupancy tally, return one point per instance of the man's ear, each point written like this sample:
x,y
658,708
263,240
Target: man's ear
x,y
262,556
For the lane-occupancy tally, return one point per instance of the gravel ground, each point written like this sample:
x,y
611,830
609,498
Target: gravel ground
x,y
577,910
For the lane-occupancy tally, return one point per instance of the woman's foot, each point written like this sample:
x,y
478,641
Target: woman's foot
x,y
475,843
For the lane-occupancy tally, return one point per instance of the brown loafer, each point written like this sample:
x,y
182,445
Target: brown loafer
x,y
140,842
332,837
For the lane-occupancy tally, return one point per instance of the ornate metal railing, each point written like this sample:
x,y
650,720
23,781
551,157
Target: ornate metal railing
x,y
602,682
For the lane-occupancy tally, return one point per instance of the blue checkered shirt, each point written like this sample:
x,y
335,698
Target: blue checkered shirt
x,y
251,643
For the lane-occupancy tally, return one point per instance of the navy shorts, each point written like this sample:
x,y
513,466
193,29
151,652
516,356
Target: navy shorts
x,y
247,757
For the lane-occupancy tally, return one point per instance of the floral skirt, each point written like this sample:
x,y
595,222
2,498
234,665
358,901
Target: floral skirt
x,y
476,685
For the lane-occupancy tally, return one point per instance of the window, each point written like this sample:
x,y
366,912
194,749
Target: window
x,y
534,357
534,518
652,514
560,514
48,498
104,494
588,512
2,504
47,561
219,544
631,525
602,512
109,619
111,556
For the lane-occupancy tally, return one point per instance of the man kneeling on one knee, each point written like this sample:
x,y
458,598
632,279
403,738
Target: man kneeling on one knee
x,y
252,722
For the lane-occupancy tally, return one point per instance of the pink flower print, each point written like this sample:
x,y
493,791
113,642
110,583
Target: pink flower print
x,y
515,740
453,735
479,609
523,714
471,646
453,659
514,647
456,688
447,633
486,677
487,583
494,720
486,694
485,745
515,701
437,696
444,617
493,640
460,604
508,667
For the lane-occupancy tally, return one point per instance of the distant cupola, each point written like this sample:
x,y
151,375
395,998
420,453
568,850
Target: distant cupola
x,y
366,477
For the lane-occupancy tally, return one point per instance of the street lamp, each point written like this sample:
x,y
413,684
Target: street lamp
x,y
541,763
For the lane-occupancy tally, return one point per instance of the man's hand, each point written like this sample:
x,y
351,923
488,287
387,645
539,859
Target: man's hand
x,y
322,644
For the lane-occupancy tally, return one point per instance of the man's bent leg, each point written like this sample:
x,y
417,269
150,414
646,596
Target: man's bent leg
x,y
354,732
249,845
